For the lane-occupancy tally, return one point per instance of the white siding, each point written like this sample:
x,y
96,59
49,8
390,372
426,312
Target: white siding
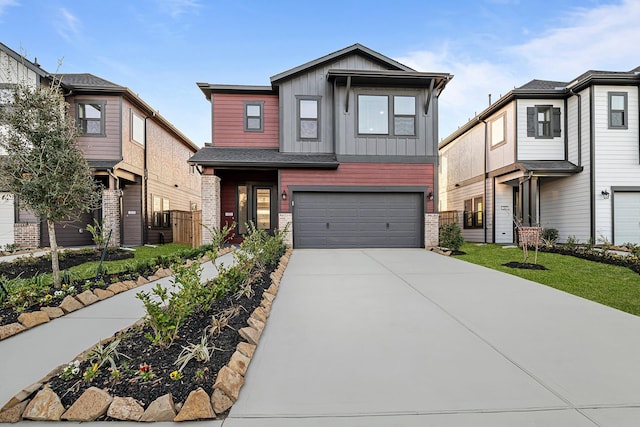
x,y
14,72
565,206
530,148
455,202
6,219
617,161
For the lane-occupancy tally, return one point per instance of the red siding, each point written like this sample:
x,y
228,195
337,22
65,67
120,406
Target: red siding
x,y
228,122
361,174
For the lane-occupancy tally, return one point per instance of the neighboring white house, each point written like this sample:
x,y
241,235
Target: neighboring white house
x,y
555,154
14,69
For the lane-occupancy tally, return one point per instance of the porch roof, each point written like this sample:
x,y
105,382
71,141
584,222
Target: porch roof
x,y
222,157
549,167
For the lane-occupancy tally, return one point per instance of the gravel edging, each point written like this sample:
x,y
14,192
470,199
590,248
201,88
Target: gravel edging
x,y
70,303
94,402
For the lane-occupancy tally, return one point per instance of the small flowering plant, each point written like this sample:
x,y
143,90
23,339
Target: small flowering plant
x,y
175,375
145,372
90,373
71,370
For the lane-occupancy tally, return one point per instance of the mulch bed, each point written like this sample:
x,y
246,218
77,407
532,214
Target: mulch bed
x,y
525,265
140,350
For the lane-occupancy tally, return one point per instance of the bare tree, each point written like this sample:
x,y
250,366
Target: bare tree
x,y
42,163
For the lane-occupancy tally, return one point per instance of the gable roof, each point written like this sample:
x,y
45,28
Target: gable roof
x,y
350,50
33,66
89,83
543,85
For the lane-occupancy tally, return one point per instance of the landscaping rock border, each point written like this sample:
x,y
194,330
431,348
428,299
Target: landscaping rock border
x,y
70,303
94,403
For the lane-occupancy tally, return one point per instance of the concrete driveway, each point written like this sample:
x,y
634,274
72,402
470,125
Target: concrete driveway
x,y
412,338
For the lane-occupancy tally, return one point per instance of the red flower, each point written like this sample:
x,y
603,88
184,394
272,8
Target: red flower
x,y
145,368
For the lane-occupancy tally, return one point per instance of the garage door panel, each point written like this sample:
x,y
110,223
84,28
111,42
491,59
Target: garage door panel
x,y
357,220
626,217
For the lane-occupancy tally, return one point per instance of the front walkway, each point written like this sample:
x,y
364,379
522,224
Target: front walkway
x,y
412,338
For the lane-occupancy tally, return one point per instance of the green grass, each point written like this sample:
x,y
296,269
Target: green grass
x,y
89,269
614,286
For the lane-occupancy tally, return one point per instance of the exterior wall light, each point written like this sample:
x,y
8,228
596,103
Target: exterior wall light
x,y
605,194
284,194
430,196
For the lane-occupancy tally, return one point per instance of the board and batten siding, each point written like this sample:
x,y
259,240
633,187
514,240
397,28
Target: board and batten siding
x,y
228,117
530,148
349,142
314,83
109,146
361,175
617,157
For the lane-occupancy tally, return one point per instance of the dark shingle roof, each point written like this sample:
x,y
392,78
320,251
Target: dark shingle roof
x,y
261,157
86,80
543,85
549,166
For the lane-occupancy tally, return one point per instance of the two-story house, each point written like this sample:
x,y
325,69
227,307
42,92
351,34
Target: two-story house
x,y
137,155
341,150
563,155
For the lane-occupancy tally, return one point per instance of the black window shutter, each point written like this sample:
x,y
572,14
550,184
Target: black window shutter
x,y
531,122
555,122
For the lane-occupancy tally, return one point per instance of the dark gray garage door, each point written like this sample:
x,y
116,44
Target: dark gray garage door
x,y
357,220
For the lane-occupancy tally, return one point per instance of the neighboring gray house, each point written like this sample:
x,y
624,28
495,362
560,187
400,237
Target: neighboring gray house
x,y
563,155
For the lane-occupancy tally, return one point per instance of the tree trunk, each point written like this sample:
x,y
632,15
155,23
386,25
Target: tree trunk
x,y
55,265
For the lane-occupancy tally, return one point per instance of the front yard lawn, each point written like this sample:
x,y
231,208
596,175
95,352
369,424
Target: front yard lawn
x,y
617,287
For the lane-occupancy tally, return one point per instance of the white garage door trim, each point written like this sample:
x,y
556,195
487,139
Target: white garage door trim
x,y
7,216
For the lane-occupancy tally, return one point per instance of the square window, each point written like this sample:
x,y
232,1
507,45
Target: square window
x,y
373,114
91,118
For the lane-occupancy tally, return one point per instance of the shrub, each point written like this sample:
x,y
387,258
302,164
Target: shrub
x,y
451,236
550,235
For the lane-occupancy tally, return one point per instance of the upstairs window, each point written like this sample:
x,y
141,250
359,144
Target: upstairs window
x,y
90,117
375,113
404,115
137,128
308,119
618,110
497,131
473,213
543,122
253,116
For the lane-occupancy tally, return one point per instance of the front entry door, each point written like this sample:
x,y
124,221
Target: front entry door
x,y
257,203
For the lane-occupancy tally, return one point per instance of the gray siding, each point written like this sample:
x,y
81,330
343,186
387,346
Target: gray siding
x,y
314,83
132,215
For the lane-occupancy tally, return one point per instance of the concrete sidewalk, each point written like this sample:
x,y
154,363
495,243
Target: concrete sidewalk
x,y
27,357
412,338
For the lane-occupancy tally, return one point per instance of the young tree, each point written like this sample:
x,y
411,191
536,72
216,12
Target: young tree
x,y
41,163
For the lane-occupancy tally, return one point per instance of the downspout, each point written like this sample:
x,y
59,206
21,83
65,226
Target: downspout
x,y
579,125
145,177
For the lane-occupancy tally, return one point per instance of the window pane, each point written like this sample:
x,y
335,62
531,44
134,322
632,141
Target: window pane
x,y
404,125
404,105
308,109
253,123
263,208
242,209
617,102
373,114
617,118
308,129
92,126
253,110
90,111
137,133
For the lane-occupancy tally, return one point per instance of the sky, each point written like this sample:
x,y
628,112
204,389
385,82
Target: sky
x,y
160,48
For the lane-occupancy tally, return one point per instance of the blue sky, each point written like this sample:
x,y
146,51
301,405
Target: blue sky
x,y
160,49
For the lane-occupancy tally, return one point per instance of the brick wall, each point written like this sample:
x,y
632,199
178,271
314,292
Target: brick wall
x,y
210,206
26,235
285,221
431,230
111,215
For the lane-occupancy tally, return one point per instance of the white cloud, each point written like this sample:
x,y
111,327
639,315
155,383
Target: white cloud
x,y
178,7
605,38
68,26
602,38
5,4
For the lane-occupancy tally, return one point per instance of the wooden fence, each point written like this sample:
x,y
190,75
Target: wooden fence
x,y
187,227
448,217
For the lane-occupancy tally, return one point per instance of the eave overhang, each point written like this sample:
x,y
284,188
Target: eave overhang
x,y
389,78
208,89
261,158
548,168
